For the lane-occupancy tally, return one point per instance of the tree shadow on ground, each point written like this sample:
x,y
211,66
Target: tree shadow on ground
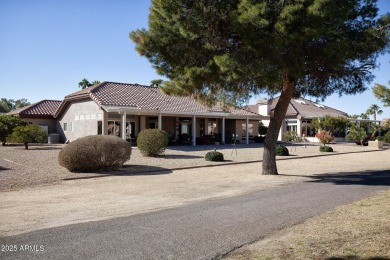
x,y
42,148
352,257
126,170
212,147
3,168
140,170
369,178
180,156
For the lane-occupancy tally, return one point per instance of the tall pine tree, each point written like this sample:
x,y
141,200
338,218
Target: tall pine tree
x,y
228,50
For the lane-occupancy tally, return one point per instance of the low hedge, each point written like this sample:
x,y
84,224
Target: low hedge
x,y
95,153
282,150
326,149
214,156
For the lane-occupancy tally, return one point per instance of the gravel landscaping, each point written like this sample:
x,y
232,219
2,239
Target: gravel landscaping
x,y
20,168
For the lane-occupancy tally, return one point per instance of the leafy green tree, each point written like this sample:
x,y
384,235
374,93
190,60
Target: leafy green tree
x,y
354,116
357,134
29,134
336,125
382,93
21,103
84,83
227,50
156,83
373,110
7,125
262,129
364,116
7,105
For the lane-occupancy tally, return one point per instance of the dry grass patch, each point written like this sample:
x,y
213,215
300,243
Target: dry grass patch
x,y
357,231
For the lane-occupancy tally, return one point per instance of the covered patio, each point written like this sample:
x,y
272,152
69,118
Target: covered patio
x,y
182,128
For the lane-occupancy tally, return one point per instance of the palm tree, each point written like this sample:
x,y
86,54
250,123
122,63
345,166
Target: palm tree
x,y
95,82
84,83
364,116
373,110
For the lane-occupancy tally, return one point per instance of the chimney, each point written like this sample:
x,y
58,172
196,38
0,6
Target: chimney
x,y
264,107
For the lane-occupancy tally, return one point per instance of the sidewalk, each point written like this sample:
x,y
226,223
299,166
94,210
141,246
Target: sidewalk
x,y
78,201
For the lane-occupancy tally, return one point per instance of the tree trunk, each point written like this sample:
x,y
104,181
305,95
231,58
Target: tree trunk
x,y
276,120
3,143
26,146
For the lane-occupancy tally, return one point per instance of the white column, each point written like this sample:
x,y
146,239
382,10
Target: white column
x,y
247,134
194,131
159,121
299,126
223,130
124,125
105,123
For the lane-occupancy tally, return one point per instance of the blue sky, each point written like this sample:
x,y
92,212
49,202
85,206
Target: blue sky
x,y
48,46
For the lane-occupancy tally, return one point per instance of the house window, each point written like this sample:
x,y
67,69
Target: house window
x,y
211,126
153,125
185,128
68,126
292,125
114,128
99,127
250,130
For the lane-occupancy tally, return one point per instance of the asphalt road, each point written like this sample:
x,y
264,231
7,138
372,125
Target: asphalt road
x,y
206,230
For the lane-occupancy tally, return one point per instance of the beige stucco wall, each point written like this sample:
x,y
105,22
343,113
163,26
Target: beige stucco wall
x,y
50,123
168,125
83,116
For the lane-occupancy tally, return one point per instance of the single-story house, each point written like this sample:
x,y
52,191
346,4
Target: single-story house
x,y
40,113
123,110
299,116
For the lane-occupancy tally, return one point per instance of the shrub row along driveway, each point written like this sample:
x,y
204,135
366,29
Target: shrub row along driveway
x,y
38,166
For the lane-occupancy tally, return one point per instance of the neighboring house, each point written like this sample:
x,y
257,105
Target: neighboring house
x,y
124,110
385,121
40,113
300,113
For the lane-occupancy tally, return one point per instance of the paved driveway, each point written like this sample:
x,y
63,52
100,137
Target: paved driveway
x,y
80,201
203,230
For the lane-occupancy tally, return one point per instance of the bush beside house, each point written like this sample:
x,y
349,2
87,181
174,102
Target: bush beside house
x,y
291,136
7,124
325,137
28,134
95,153
152,142
358,135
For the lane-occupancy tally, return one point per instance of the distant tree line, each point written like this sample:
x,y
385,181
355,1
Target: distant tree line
x,y
7,105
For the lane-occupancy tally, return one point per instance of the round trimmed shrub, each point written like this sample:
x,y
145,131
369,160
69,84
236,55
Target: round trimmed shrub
x,y
95,153
326,149
151,142
282,150
214,156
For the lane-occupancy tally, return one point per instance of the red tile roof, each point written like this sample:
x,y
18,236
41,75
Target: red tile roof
x,y
303,107
148,98
43,108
